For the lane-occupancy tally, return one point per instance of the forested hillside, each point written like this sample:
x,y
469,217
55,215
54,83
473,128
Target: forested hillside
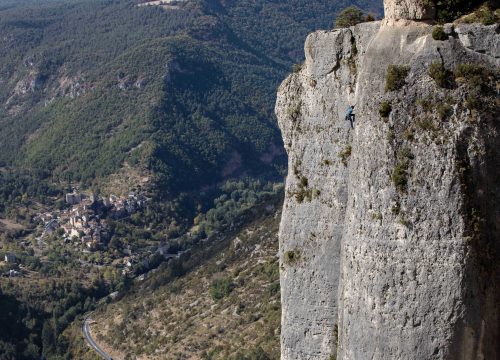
x,y
186,93
175,104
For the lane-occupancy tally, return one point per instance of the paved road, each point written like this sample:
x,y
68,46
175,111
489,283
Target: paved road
x,y
91,342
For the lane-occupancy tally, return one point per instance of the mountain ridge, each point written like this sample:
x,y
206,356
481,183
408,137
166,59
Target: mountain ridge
x,y
78,110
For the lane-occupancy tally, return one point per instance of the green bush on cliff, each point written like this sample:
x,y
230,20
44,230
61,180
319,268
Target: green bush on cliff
x,y
444,110
473,102
400,171
474,73
480,82
385,109
442,76
400,176
396,75
439,34
291,257
303,192
486,16
345,154
450,10
405,154
351,16
220,288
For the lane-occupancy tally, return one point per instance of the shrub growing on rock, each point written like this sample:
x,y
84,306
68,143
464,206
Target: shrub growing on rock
x,y
439,34
221,288
345,154
396,76
405,153
467,70
294,111
297,67
400,176
385,109
485,15
449,10
370,17
473,102
480,81
442,77
400,171
426,124
350,16
476,75
291,257
444,110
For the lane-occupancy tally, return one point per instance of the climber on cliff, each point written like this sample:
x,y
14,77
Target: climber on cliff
x,y
349,115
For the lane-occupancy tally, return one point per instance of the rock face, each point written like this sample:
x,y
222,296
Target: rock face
x,y
389,233
409,9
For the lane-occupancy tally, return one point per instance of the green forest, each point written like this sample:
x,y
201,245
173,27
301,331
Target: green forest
x,y
95,84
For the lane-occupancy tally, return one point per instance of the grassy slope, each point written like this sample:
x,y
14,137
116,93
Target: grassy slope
x,y
181,320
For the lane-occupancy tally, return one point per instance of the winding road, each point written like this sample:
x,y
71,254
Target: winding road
x,y
91,342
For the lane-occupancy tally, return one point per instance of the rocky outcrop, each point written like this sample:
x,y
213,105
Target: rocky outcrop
x,y
32,82
409,9
389,233
481,39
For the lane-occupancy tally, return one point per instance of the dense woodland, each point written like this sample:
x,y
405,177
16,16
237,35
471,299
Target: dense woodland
x,y
92,84
33,318
22,188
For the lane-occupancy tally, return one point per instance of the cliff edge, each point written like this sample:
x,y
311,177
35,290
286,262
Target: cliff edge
x,y
389,234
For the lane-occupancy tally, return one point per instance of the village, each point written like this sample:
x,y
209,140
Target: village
x,y
85,221
83,225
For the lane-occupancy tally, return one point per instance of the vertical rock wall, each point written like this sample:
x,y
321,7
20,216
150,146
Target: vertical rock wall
x,y
409,271
372,269
310,109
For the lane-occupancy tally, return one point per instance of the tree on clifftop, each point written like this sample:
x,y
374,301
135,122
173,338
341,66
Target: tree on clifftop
x,y
351,16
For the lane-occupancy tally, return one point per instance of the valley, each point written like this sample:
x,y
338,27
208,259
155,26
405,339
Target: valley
x,y
226,306
140,158
162,196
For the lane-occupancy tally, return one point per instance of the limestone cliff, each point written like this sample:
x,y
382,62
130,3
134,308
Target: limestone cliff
x,y
389,233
